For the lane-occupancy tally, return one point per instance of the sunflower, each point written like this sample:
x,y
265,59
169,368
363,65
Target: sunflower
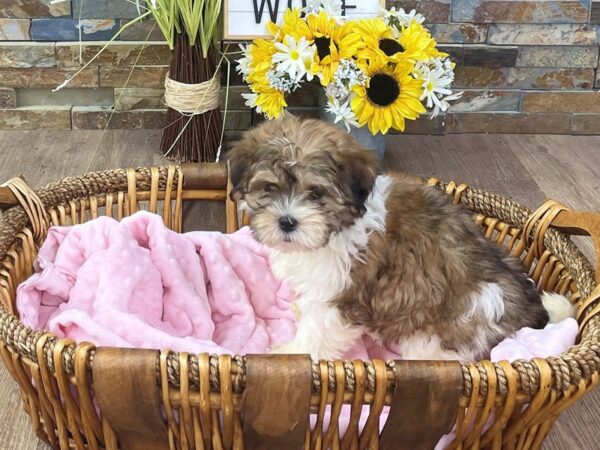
x,y
293,25
333,41
391,96
418,43
259,56
374,33
271,102
412,43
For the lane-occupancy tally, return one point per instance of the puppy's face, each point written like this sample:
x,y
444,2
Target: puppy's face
x,y
301,181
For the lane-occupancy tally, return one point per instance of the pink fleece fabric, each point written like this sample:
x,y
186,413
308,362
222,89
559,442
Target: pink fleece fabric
x,y
138,284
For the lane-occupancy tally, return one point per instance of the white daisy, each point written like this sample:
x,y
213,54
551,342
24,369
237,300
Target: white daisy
x,y
342,112
312,6
243,64
401,17
435,82
251,98
295,58
437,75
444,104
333,8
443,65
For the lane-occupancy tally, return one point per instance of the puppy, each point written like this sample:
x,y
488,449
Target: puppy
x,y
376,255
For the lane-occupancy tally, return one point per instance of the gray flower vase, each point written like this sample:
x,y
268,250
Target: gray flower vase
x,y
376,143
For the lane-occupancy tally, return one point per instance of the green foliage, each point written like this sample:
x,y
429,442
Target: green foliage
x,y
199,19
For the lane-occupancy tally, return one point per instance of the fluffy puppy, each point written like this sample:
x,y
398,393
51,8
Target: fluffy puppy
x,y
380,255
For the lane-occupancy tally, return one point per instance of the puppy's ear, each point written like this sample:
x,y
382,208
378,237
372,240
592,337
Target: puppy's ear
x,y
360,168
247,151
239,159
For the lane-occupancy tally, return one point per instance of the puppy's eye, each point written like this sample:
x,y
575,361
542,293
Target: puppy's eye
x,y
316,193
270,187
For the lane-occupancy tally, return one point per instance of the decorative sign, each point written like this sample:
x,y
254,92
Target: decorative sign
x,y
247,19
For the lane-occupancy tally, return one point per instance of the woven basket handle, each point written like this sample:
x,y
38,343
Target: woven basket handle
x,y
581,224
17,192
7,197
558,216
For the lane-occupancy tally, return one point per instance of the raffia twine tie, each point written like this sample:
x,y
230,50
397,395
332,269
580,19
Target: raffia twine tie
x,y
192,98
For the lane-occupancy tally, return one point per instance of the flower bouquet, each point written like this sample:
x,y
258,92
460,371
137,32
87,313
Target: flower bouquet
x,y
375,73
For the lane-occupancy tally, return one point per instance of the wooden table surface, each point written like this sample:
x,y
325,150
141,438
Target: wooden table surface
x,y
526,168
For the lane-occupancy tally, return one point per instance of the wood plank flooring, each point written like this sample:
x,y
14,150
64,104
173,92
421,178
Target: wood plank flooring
x,y
526,168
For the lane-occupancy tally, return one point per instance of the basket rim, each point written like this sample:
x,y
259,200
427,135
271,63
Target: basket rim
x,y
580,363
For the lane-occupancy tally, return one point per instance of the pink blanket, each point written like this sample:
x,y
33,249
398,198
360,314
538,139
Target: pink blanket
x,y
138,284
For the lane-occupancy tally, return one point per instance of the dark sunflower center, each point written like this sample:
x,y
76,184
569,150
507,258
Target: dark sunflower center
x,y
390,46
383,90
323,44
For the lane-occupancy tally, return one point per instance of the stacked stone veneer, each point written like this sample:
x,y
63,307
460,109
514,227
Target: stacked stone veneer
x,y
525,67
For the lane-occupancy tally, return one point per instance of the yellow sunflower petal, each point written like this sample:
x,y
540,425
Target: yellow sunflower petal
x,y
274,30
272,103
400,124
388,119
374,125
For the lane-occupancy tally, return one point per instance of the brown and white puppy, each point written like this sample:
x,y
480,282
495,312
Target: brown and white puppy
x,y
375,254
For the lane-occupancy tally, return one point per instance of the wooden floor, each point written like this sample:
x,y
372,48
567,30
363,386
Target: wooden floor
x,y
527,168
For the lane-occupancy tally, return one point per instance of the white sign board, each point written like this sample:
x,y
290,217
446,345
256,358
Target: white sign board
x,y
247,19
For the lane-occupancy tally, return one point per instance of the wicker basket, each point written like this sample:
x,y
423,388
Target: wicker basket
x,y
79,396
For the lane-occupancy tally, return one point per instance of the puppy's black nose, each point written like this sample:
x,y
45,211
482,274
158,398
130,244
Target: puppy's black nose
x,y
287,223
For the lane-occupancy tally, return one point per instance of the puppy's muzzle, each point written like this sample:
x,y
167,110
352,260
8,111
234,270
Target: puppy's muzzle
x,y
288,224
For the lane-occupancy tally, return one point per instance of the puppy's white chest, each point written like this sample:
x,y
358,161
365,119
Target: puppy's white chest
x,y
317,276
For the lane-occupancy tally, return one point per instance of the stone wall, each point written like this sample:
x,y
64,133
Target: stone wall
x,y
525,67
